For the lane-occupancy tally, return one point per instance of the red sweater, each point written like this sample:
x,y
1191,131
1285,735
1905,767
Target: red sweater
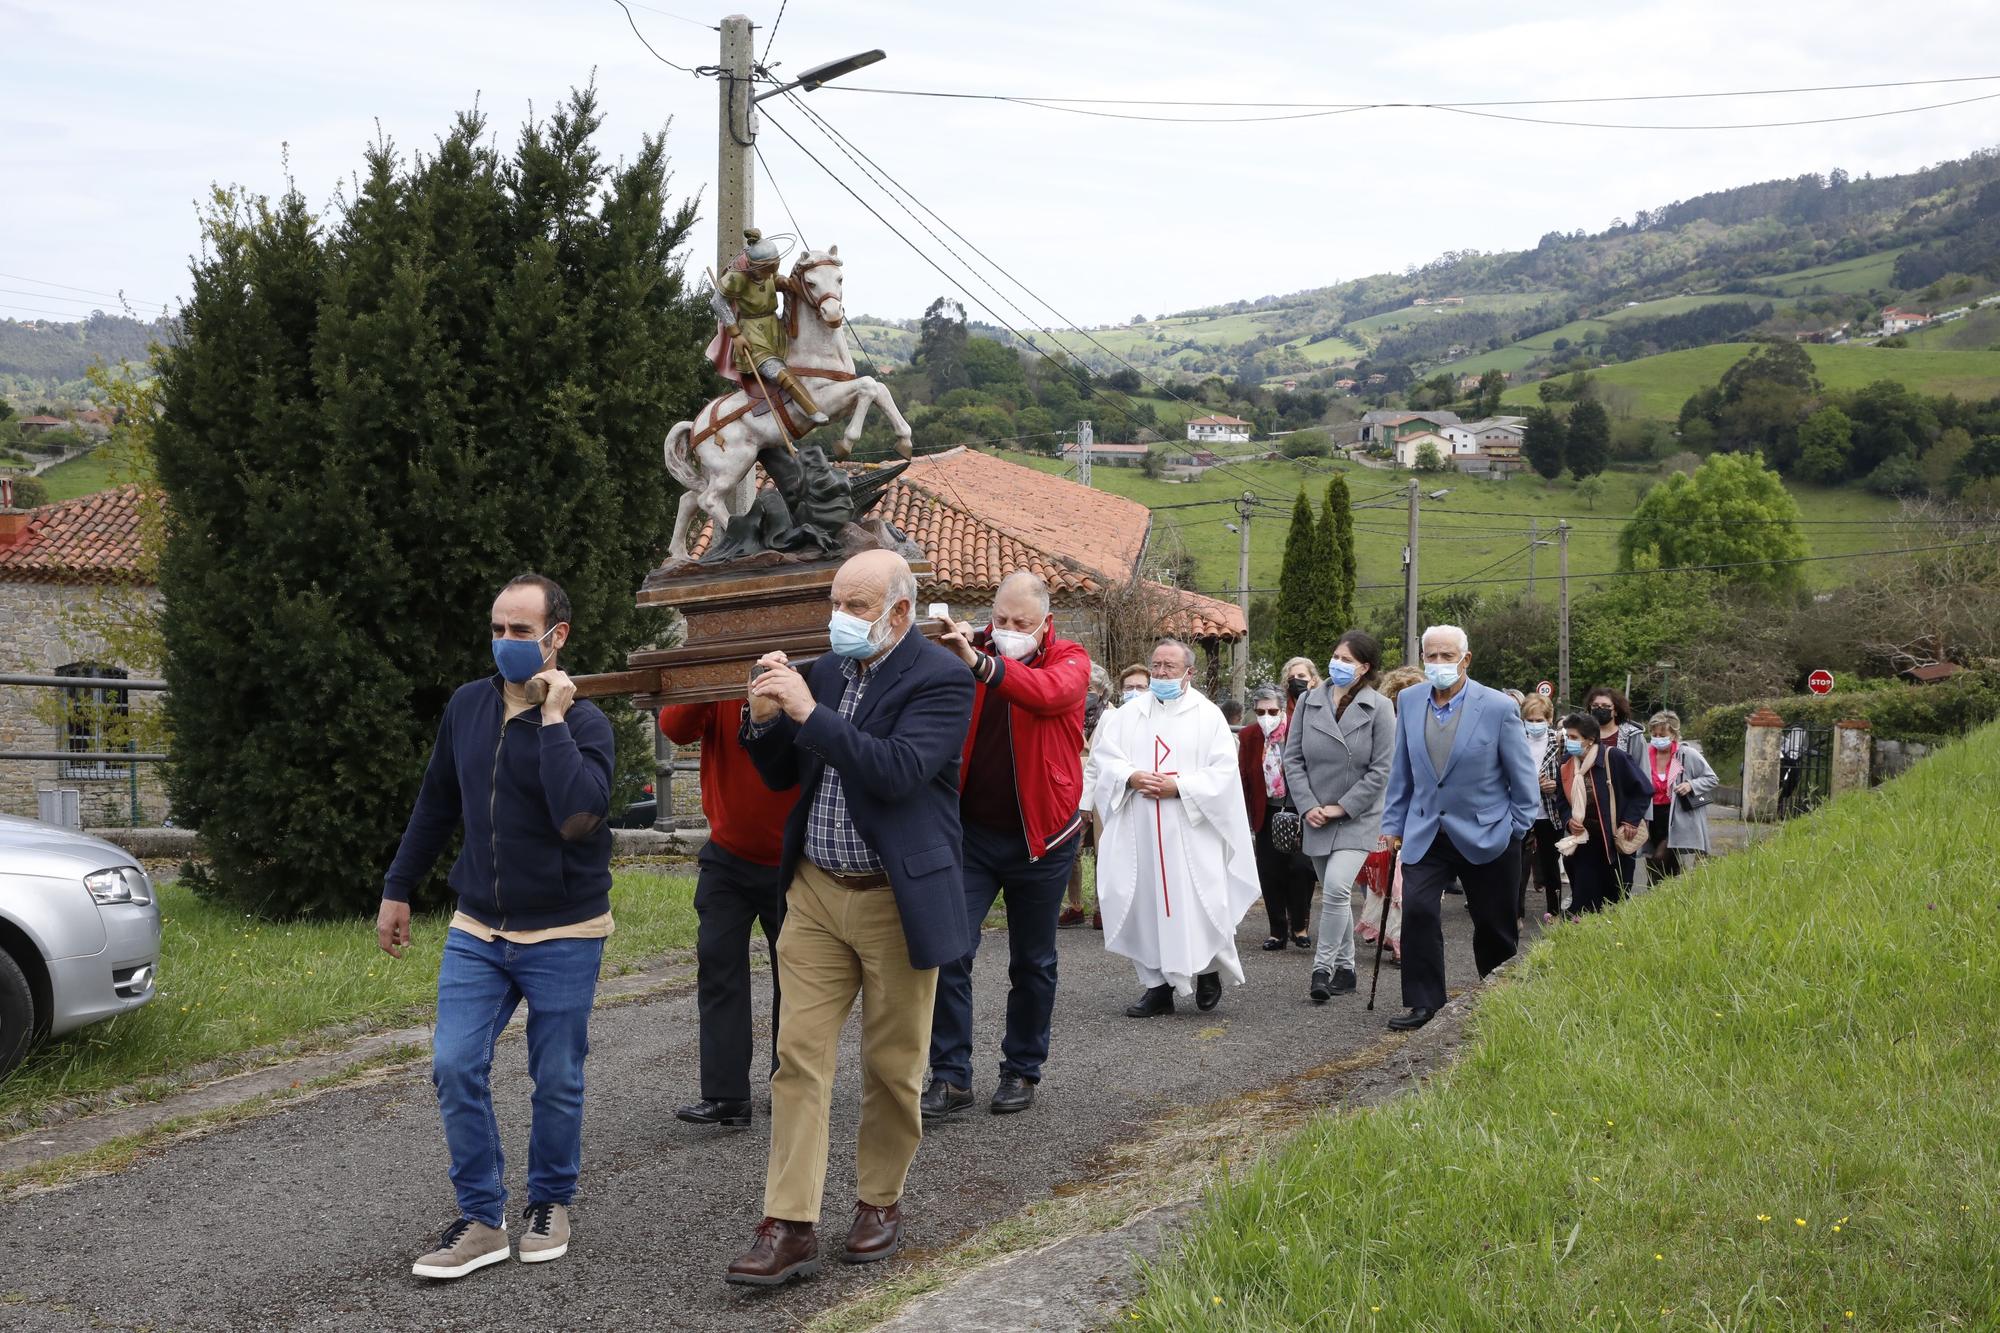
x,y
745,818
1045,728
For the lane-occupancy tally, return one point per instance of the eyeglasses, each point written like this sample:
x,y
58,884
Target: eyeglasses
x,y
1267,712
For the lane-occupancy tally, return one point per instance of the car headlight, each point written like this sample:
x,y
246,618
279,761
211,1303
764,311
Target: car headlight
x,y
120,884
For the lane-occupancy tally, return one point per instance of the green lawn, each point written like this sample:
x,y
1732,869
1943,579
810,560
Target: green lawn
x,y
230,984
1477,524
1664,382
1516,357
87,475
1763,1098
1978,331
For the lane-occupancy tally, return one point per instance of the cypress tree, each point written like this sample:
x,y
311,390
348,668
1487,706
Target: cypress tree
x,y
1336,540
368,426
1543,443
1299,580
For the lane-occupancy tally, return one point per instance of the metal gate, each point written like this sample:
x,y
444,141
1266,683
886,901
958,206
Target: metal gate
x,y
1805,769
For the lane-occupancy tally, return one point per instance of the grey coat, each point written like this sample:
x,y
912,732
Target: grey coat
x,y
1343,763
1687,830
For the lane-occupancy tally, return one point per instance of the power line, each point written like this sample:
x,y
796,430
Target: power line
x,y
87,291
668,13
648,45
1734,564
1743,125
772,36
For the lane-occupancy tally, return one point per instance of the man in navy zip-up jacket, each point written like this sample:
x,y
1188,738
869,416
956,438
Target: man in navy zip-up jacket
x,y
531,787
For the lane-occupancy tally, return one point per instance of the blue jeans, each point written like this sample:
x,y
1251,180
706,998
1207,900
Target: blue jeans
x,y
480,984
997,863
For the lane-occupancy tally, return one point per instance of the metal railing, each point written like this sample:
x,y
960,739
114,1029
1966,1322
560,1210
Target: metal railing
x,y
131,756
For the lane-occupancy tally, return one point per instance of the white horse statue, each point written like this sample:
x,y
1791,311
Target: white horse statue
x,y
714,456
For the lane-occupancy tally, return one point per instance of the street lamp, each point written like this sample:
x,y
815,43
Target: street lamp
x,y
820,75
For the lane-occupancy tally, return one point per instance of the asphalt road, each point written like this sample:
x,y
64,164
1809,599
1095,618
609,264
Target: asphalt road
x,y
308,1219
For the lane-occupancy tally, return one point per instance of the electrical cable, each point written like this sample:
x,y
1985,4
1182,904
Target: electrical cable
x,y
648,45
772,36
87,291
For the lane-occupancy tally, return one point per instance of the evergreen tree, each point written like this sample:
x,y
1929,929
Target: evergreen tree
x,y
1543,443
1491,385
1336,548
1299,585
367,427
1588,445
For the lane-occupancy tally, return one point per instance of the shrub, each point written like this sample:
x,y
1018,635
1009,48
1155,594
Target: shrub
x,y
1929,713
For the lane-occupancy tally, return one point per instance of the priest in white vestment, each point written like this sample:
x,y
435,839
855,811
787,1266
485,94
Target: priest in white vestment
x,y
1175,868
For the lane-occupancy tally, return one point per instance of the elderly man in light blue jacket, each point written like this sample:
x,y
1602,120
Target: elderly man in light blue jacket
x,y
1462,794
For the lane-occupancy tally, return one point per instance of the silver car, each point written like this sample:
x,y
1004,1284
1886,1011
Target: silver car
x,y
79,934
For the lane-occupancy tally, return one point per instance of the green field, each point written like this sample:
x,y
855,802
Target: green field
x,y
1761,1097
1478,524
87,475
1516,357
1664,382
1868,273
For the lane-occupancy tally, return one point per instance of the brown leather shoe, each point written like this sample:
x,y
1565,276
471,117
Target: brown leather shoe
x,y
781,1251
876,1234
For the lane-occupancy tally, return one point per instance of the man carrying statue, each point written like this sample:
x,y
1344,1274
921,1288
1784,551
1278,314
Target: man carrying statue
x,y
751,345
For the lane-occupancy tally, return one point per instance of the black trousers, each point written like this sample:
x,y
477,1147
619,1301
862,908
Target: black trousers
x,y
1492,889
730,895
1596,882
1546,862
1287,881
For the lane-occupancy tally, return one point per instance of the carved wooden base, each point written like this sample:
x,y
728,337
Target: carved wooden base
x,y
734,616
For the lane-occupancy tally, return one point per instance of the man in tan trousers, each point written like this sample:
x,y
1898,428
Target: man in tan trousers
x,y
871,735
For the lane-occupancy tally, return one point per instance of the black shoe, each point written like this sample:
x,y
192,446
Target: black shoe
x,y
1156,1000
708,1111
1207,991
1302,942
941,1099
1014,1094
1343,981
1411,1021
1322,985
1274,943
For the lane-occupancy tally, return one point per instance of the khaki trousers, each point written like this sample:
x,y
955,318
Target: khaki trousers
x,y
836,943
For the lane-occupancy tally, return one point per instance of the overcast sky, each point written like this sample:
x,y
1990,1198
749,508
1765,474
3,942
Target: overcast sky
x,y
120,114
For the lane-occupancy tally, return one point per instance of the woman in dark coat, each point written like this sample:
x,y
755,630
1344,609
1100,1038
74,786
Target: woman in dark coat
x,y
1600,794
1286,877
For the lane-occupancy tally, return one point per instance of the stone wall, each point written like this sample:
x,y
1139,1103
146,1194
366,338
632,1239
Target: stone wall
x,y
36,637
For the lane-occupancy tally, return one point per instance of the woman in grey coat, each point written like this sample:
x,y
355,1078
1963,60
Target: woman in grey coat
x,y
1336,767
1680,774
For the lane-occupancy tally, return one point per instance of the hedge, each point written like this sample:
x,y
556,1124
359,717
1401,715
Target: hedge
x,y
1929,713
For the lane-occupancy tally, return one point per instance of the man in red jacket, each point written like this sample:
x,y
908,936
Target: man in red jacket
x,y
739,883
1021,780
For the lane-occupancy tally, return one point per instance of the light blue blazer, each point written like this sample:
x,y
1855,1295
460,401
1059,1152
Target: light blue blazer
x,y
1488,792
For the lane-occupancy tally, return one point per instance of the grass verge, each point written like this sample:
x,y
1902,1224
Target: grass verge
x,y
238,990
1764,1098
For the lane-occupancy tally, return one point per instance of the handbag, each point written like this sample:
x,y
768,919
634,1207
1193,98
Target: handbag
x,y
1690,801
1377,872
1288,830
1628,843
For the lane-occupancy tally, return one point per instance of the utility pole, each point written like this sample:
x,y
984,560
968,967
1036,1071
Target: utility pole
x,y
1562,577
1412,652
736,139
1532,544
1241,666
1084,440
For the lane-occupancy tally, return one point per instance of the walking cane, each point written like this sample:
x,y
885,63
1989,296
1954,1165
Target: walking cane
x,y
1382,933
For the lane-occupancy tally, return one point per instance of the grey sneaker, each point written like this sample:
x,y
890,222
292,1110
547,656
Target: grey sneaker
x,y
546,1236
465,1246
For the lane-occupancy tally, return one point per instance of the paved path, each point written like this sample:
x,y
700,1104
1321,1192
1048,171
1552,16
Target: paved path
x,y
308,1219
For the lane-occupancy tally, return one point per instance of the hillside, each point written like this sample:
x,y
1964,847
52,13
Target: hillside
x,y
1660,384
47,359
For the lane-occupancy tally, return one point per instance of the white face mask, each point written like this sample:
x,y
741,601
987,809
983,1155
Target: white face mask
x,y
1014,645
1269,722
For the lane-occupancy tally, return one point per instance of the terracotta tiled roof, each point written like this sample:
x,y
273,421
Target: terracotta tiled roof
x,y
1200,617
43,421
93,539
1218,421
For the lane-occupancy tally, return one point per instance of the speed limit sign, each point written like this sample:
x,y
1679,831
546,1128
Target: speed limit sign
x,y
1546,690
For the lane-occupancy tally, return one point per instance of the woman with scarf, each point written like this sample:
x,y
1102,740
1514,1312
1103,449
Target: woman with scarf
x,y
1682,778
1604,797
1286,876
1545,742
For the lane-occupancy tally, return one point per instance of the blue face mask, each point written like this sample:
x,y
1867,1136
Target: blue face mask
x,y
1341,673
1537,730
519,660
1441,675
1130,695
851,636
1663,742
1573,746
1166,690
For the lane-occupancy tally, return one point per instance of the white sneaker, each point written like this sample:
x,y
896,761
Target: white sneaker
x,y
546,1236
465,1246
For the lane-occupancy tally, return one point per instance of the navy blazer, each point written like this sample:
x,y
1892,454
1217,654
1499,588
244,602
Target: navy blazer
x,y
898,760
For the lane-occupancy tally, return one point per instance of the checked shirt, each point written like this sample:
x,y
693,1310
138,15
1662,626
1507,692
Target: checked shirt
x,y
832,842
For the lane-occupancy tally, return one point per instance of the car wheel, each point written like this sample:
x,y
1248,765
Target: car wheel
x,y
17,1014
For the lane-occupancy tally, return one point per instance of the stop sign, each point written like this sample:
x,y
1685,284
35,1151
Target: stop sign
x,y
1820,682
1546,690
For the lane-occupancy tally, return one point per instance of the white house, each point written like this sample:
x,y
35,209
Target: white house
x,y
1408,447
1896,321
1219,429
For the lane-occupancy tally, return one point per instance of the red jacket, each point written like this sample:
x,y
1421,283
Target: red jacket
x,y
1250,743
1046,695
745,818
